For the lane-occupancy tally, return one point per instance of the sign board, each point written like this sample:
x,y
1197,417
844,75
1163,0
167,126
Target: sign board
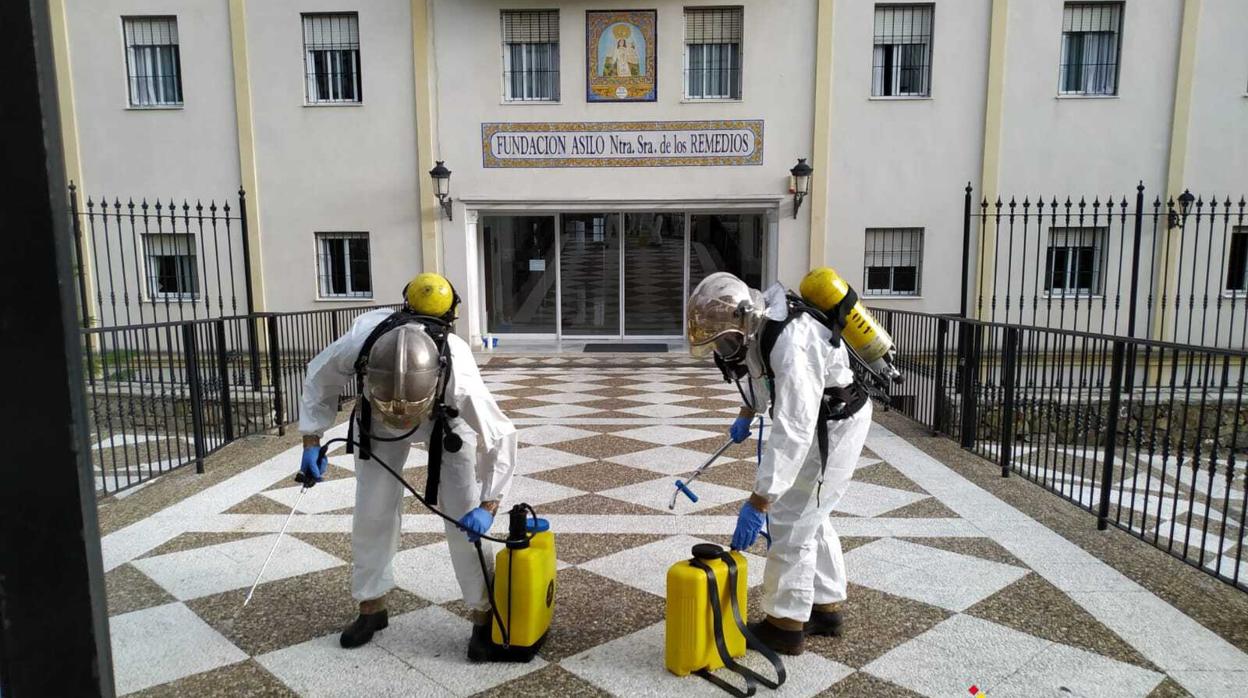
x,y
622,144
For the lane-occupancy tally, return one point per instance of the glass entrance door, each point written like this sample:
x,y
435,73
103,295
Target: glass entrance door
x,y
654,274
589,274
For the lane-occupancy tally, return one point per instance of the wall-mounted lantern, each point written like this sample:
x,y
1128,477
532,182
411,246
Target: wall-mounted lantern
x,y
1178,219
801,183
442,186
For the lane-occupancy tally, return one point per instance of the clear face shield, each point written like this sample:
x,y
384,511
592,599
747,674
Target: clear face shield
x,y
402,377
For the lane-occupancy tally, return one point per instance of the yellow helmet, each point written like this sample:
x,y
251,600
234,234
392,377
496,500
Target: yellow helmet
x,y
431,294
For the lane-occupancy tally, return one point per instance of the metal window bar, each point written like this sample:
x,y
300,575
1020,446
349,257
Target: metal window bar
x,y
893,262
530,55
331,50
343,265
901,63
713,51
1091,47
153,61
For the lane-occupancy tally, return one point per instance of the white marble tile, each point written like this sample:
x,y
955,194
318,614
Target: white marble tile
x,y
657,494
535,459
669,460
866,499
537,492
938,577
1213,684
657,398
661,411
330,495
426,571
633,666
190,574
165,643
434,642
1061,670
666,435
658,387
558,411
864,462
565,398
546,434
321,667
645,567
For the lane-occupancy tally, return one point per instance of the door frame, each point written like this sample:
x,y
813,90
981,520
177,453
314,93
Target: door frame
x,y
766,206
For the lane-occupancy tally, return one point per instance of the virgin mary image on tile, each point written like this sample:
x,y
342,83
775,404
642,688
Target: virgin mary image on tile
x,y
621,61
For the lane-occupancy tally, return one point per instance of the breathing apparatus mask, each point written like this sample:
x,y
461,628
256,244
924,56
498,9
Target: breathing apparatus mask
x,y
403,373
724,319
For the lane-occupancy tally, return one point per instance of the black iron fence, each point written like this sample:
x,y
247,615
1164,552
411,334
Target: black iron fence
x,y
163,395
1150,436
160,261
1175,270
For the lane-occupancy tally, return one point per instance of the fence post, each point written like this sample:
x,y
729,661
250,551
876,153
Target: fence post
x,y
968,348
84,310
1006,451
191,356
275,375
223,376
938,393
966,246
253,346
1132,299
1111,433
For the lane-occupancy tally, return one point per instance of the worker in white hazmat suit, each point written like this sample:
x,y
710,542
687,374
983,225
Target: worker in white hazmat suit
x,y
419,384
782,355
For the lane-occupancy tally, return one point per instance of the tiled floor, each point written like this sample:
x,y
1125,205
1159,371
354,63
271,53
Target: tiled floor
x,y
949,586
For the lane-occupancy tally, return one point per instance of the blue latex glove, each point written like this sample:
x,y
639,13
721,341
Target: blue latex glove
x,y
475,523
740,430
311,467
749,525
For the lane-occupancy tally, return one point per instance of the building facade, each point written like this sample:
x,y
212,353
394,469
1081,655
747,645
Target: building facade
x,y
606,156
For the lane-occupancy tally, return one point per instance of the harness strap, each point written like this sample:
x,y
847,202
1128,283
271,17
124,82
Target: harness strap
x,y
751,677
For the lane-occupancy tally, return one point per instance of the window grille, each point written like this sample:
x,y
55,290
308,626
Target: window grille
x,y
153,63
901,65
1074,261
1090,48
331,49
172,273
1237,262
343,265
531,55
713,52
893,262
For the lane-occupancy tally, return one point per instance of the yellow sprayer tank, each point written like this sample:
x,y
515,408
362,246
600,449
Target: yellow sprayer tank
x,y
524,584
690,637
824,288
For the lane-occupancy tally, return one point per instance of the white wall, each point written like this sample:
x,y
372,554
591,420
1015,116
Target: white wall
x,y
334,168
905,162
1217,141
188,152
777,86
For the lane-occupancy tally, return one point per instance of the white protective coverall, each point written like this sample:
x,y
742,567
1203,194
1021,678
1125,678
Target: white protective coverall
x,y
805,564
379,496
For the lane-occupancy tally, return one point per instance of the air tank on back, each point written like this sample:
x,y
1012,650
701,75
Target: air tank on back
x,y
824,289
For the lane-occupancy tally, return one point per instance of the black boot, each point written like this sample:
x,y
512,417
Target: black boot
x,y
361,631
480,647
825,623
790,642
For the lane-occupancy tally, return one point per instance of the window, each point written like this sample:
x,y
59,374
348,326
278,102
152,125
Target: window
x,y
331,54
893,261
1073,261
171,267
713,52
153,65
1090,47
1237,262
342,264
902,62
531,55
